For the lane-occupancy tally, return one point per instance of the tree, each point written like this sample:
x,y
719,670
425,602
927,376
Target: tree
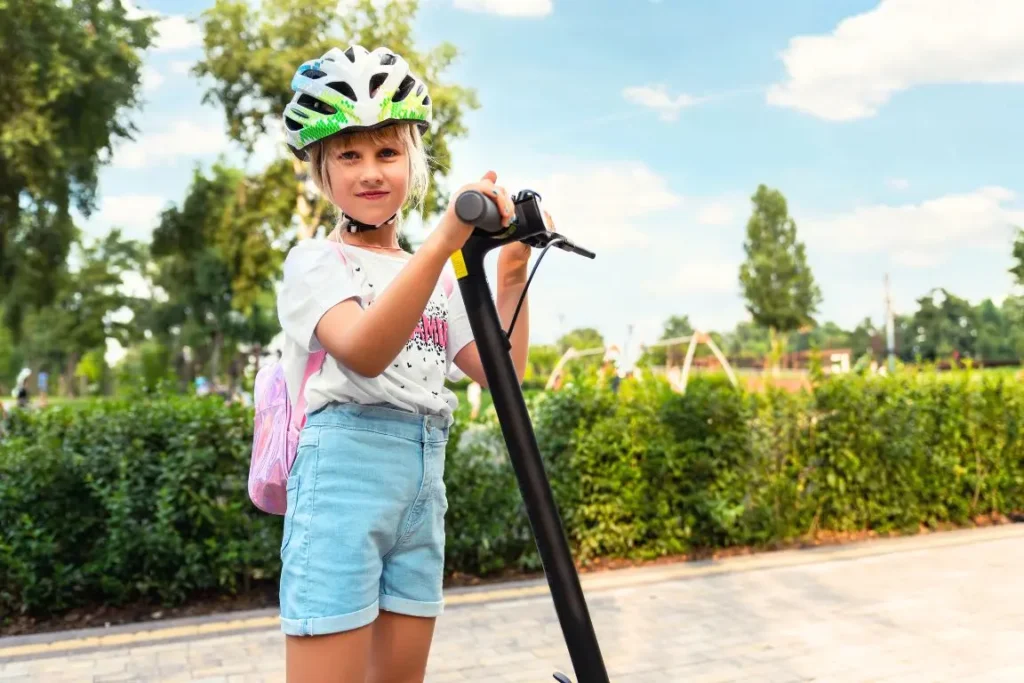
x,y
72,70
90,307
39,246
1018,255
674,326
252,53
216,261
777,283
581,339
944,324
995,333
542,361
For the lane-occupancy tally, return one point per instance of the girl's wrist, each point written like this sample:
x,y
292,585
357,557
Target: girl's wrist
x,y
435,248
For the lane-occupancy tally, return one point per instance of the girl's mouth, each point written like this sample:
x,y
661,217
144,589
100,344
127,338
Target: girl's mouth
x,y
373,194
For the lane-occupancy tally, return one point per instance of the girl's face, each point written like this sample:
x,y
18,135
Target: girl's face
x,y
369,176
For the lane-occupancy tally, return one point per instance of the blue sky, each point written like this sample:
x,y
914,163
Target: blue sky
x,y
891,127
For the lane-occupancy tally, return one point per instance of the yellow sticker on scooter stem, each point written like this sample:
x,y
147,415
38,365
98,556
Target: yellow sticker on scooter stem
x,y
459,264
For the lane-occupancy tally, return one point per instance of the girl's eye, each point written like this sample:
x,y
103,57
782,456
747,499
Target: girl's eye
x,y
348,155
388,153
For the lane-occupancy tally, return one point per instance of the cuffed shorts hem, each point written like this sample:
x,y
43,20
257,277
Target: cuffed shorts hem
x,y
321,626
412,608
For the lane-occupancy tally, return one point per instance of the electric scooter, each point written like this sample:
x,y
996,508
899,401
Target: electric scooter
x,y
527,226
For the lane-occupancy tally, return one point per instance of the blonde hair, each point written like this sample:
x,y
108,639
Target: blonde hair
x,y
405,135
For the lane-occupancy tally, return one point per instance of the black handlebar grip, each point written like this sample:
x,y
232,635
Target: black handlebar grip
x,y
474,208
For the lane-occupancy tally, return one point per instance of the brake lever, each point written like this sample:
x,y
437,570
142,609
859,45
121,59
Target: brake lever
x,y
547,237
475,208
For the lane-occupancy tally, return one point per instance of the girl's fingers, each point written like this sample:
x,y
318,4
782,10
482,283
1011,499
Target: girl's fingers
x,y
550,222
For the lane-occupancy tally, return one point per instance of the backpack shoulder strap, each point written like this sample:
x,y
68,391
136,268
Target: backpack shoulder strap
x,y
448,282
313,364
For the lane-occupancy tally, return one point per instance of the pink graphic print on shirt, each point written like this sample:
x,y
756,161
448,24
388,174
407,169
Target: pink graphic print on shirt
x,y
431,333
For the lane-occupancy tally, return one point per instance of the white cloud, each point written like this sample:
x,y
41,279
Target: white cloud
x,y
183,139
603,206
657,98
181,67
697,277
716,213
507,8
135,214
898,183
176,32
151,79
173,31
920,235
851,72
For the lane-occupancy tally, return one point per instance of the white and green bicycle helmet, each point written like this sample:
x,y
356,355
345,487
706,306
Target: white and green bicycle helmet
x,y
353,90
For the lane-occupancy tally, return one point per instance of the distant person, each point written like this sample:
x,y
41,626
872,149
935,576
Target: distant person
x,y
42,383
474,394
20,392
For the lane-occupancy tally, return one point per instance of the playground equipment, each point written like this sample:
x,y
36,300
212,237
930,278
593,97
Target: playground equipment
x,y
692,340
678,384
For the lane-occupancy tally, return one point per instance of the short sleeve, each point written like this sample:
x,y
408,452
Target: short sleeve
x,y
460,333
315,280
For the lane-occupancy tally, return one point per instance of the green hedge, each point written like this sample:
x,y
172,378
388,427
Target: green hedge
x,y
145,498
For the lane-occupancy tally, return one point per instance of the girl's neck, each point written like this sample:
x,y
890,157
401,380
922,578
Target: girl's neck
x,y
383,238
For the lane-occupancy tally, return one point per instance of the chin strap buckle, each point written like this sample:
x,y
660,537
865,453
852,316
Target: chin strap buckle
x,y
353,225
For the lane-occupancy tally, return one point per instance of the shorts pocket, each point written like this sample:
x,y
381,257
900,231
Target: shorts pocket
x,y
289,515
443,497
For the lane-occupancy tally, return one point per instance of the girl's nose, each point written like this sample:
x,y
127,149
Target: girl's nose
x,y
371,174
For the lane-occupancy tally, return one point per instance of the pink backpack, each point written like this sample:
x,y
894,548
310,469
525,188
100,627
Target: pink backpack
x,y
277,425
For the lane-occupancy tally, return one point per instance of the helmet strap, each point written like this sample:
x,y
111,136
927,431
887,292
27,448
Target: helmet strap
x,y
358,226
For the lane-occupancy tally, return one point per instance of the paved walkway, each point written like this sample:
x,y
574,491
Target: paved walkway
x,y
944,607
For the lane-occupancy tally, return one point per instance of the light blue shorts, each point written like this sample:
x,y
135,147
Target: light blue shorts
x,y
364,529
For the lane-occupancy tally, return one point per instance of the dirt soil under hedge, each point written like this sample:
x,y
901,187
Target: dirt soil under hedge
x,y
265,595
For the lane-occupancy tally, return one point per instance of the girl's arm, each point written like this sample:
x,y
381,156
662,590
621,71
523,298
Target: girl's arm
x,y
367,341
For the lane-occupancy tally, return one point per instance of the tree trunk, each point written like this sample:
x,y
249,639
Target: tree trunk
x,y
10,212
69,374
218,345
775,352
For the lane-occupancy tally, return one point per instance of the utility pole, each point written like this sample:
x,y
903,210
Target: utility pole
x,y
626,358
890,328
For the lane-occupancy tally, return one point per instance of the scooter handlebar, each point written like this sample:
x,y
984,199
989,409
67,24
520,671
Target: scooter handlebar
x,y
478,210
474,208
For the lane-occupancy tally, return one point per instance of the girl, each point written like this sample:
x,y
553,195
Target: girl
x,y
363,544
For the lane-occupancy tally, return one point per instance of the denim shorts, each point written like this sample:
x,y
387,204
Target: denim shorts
x,y
364,530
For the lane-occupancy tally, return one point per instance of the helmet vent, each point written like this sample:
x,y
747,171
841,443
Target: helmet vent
x,y
403,89
351,54
375,82
316,105
344,88
419,90
313,73
292,124
387,59
426,101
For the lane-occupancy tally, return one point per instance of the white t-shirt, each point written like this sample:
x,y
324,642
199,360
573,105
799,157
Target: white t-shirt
x,y
316,279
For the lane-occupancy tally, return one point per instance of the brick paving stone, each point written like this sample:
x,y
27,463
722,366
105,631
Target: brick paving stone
x,y
948,612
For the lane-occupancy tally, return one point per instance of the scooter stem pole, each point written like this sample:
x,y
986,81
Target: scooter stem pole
x,y
517,428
